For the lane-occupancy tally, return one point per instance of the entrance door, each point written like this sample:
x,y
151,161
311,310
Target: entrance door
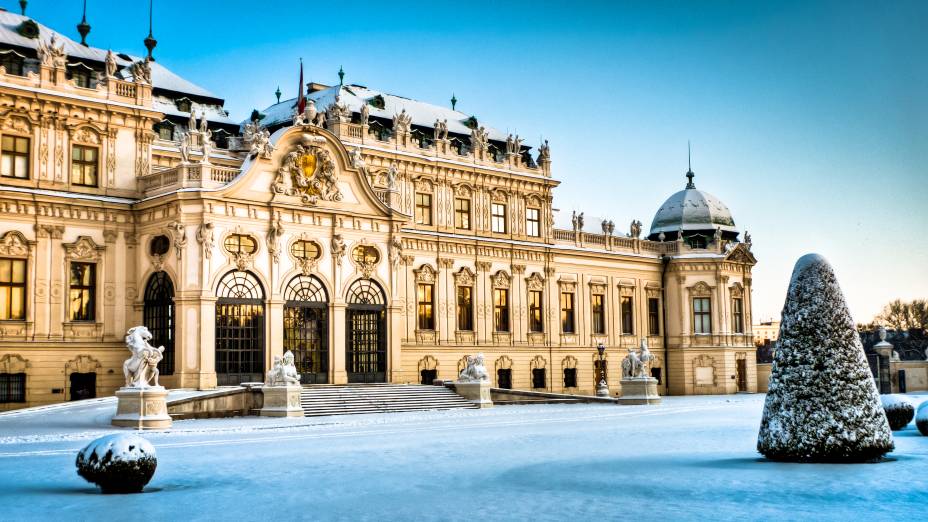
x,y
239,329
306,320
742,375
366,333
83,386
158,316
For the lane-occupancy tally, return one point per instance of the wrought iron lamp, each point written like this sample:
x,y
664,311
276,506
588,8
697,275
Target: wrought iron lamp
x,y
602,389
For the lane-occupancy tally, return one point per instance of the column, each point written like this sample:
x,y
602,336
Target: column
x,y
338,342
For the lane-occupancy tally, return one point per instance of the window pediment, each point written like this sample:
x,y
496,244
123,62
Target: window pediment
x,y
84,249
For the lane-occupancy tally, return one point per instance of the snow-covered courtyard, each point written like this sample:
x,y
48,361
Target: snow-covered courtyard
x,y
689,458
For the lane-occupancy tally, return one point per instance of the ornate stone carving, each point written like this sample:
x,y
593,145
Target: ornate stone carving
x,y
13,363
274,234
635,229
428,363
283,372
258,140
518,269
51,54
402,122
474,370
700,289
483,266
464,277
141,369
179,233
425,274
396,251
501,279
535,282
205,238
84,249
141,71
14,244
338,249
82,364
309,172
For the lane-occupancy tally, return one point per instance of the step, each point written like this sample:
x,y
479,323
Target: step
x,y
348,399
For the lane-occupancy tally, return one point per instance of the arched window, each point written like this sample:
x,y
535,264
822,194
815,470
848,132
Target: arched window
x,y
306,321
239,329
158,315
366,328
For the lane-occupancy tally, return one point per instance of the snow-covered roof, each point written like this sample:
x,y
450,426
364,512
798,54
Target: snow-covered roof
x,y
214,113
692,209
162,77
355,96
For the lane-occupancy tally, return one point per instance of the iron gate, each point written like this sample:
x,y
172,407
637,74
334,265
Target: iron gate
x,y
366,333
306,332
239,329
158,316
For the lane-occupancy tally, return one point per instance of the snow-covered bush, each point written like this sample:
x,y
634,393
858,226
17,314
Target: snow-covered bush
x,y
822,404
898,412
119,463
921,418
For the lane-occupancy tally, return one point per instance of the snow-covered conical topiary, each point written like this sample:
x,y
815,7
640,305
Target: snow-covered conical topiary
x,y
822,404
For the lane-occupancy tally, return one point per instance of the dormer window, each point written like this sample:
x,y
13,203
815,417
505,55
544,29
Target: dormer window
x,y
80,74
377,102
184,104
165,130
13,62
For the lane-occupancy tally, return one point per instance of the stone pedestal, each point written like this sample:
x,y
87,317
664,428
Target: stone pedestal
x,y
142,408
640,390
602,389
476,392
281,401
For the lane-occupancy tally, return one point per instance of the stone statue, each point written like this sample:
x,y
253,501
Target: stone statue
x,y
206,137
192,120
338,248
717,236
475,371
274,234
391,176
580,221
444,129
661,237
141,71
320,119
396,250
298,117
631,365
205,238
680,235
356,160
646,359
110,63
141,369
50,54
365,114
517,144
283,372
509,144
544,152
635,229
203,123
261,143
184,147
436,133
401,122
747,239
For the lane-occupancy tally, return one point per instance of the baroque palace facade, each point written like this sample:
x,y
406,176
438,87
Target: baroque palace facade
x,y
379,238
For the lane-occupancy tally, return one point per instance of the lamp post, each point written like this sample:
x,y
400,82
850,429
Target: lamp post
x,y
602,389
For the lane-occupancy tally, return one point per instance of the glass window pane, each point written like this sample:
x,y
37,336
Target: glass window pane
x,y
17,303
21,166
76,153
5,303
6,165
22,145
19,271
7,143
6,270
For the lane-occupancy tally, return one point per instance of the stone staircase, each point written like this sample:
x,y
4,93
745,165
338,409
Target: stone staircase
x,y
347,399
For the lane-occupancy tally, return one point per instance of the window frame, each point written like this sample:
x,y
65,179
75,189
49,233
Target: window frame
x,y
498,223
13,154
84,165
704,316
237,238
91,293
7,288
573,372
536,322
568,313
6,388
654,316
425,306
501,319
465,309
533,222
462,216
598,314
627,313
423,209
737,315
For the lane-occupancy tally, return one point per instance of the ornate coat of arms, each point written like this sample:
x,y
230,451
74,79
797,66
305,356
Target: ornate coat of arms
x,y
309,172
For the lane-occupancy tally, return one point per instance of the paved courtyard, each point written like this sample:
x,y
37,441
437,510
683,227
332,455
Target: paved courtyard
x,y
690,458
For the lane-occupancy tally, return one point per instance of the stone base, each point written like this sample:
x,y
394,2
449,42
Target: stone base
x,y
476,392
282,401
602,390
642,390
142,408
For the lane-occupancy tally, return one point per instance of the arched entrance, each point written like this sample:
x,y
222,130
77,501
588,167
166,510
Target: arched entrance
x,y
306,332
158,317
239,329
366,332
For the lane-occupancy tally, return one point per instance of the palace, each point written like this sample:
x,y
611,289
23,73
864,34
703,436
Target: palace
x,y
379,238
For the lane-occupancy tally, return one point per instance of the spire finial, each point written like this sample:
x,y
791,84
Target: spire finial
x,y
277,93
83,28
341,75
689,170
150,41
22,6
454,101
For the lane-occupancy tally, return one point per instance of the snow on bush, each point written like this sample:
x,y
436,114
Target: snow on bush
x,y
898,412
119,463
822,404
921,418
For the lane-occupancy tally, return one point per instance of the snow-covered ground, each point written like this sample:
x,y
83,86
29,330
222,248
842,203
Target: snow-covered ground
x,y
691,458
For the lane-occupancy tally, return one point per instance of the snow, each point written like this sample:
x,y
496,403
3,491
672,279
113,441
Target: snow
x,y
124,447
689,458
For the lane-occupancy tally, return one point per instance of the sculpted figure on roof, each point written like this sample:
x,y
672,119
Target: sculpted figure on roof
x,y
110,64
365,114
402,121
50,54
141,71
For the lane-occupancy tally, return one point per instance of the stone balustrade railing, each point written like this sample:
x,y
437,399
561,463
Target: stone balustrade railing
x,y
614,243
56,79
406,141
186,175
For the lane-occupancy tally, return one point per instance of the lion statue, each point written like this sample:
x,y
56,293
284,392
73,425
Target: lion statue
x,y
141,369
475,371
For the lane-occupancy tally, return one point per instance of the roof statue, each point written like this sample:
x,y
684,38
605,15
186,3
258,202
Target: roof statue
x,y
402,122
110,63
141,71
544,152
203,122
635,229
365,114
51,54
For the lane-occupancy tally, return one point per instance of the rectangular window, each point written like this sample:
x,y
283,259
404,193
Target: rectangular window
x,y
12,387
628,316
425,300
82,292
504,378
501,310
567,312
539,380
165,132
81,78
654,316
702,315
535,322
12,63
532,222
84,165
12,289
570,377
737,312
423,209
14,161
599,314
465,308
462,213
498,218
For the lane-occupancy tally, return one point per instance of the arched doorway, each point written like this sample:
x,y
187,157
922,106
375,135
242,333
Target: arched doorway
x,y
158,317
239,329
306,332
366,332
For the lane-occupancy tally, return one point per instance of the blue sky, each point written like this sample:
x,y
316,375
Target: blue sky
x,y
809,119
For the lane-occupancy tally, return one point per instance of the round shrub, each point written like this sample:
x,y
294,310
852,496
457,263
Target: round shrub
x,y
921,418
898,412
119,463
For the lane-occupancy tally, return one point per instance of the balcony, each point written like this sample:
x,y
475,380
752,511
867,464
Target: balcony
x,y
186,175
613,243
110,89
